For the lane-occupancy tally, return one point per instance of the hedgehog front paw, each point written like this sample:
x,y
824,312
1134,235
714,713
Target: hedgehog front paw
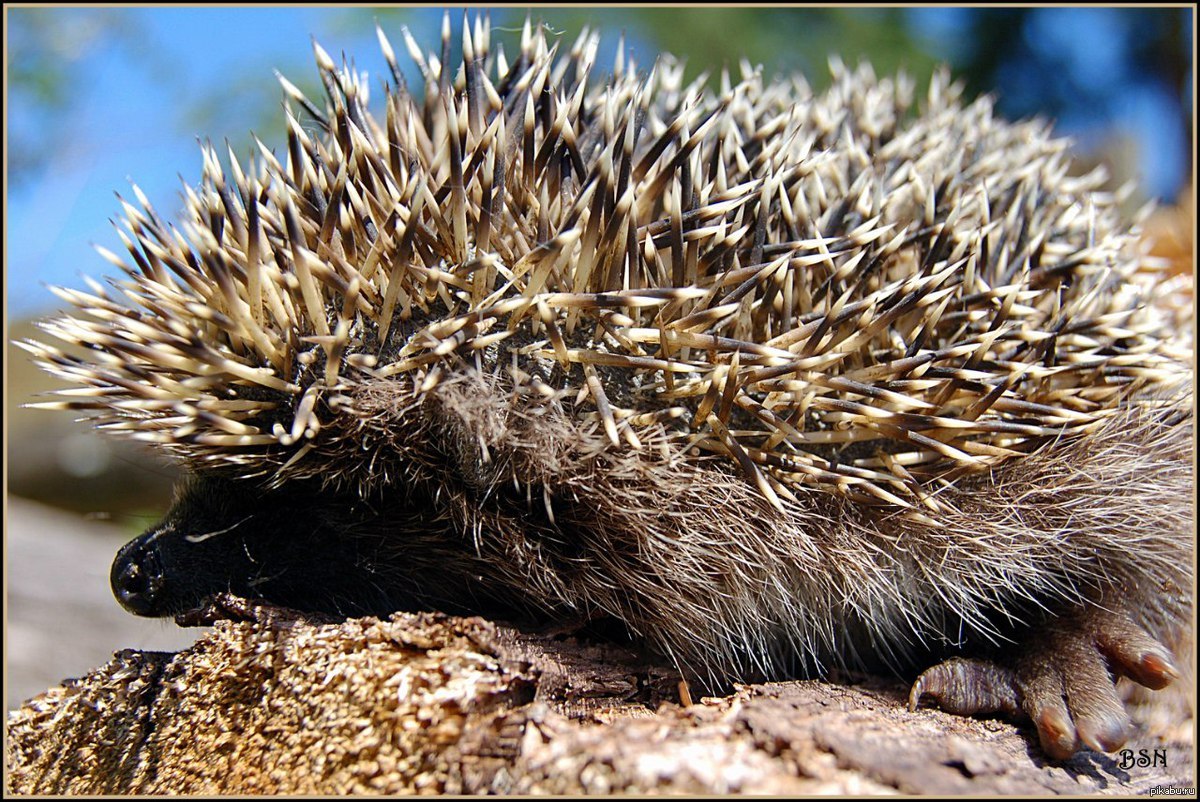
x,y
226,606
1063,678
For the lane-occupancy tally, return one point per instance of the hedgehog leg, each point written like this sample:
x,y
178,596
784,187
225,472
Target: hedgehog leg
x,y
1062,678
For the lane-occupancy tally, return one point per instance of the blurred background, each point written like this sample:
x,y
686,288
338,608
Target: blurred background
x,y
100,98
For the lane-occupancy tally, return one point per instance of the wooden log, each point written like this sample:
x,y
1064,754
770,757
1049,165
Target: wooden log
x,y
426,703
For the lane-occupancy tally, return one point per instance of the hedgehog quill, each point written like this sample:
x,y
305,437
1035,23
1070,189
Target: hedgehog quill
x,y
779,381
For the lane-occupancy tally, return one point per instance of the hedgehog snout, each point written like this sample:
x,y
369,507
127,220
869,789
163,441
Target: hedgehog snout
x,y
137,577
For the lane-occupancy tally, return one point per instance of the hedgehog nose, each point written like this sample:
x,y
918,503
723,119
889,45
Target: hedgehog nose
x,y
137,578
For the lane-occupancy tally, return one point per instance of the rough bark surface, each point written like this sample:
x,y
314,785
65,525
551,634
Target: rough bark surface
x,y
436,704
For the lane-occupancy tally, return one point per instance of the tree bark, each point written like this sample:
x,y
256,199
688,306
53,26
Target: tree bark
x,y
279,704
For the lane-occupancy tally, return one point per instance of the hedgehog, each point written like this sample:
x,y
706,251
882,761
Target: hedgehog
x,y
775,382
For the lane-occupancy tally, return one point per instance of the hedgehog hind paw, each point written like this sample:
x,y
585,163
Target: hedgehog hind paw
x,y
1063,679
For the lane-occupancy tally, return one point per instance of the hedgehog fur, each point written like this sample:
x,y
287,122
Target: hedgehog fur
x,y
779,381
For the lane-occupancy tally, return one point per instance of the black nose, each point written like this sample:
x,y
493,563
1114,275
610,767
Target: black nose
x,y
137,577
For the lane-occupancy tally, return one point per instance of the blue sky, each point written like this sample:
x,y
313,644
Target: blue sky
x,y
121,128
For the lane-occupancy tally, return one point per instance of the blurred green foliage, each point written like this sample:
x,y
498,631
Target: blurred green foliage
x,y
711,38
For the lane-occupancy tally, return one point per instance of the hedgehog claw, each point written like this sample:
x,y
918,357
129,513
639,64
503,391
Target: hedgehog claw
x,y
1132,652
1063,679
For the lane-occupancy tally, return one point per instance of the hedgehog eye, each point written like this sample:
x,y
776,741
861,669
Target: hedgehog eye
x,y
203,537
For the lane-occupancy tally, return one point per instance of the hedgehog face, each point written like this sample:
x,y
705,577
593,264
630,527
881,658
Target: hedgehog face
x,y
223,535
307,547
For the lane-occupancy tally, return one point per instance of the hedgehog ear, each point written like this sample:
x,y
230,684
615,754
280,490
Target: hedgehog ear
x,y
468,423
488,434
